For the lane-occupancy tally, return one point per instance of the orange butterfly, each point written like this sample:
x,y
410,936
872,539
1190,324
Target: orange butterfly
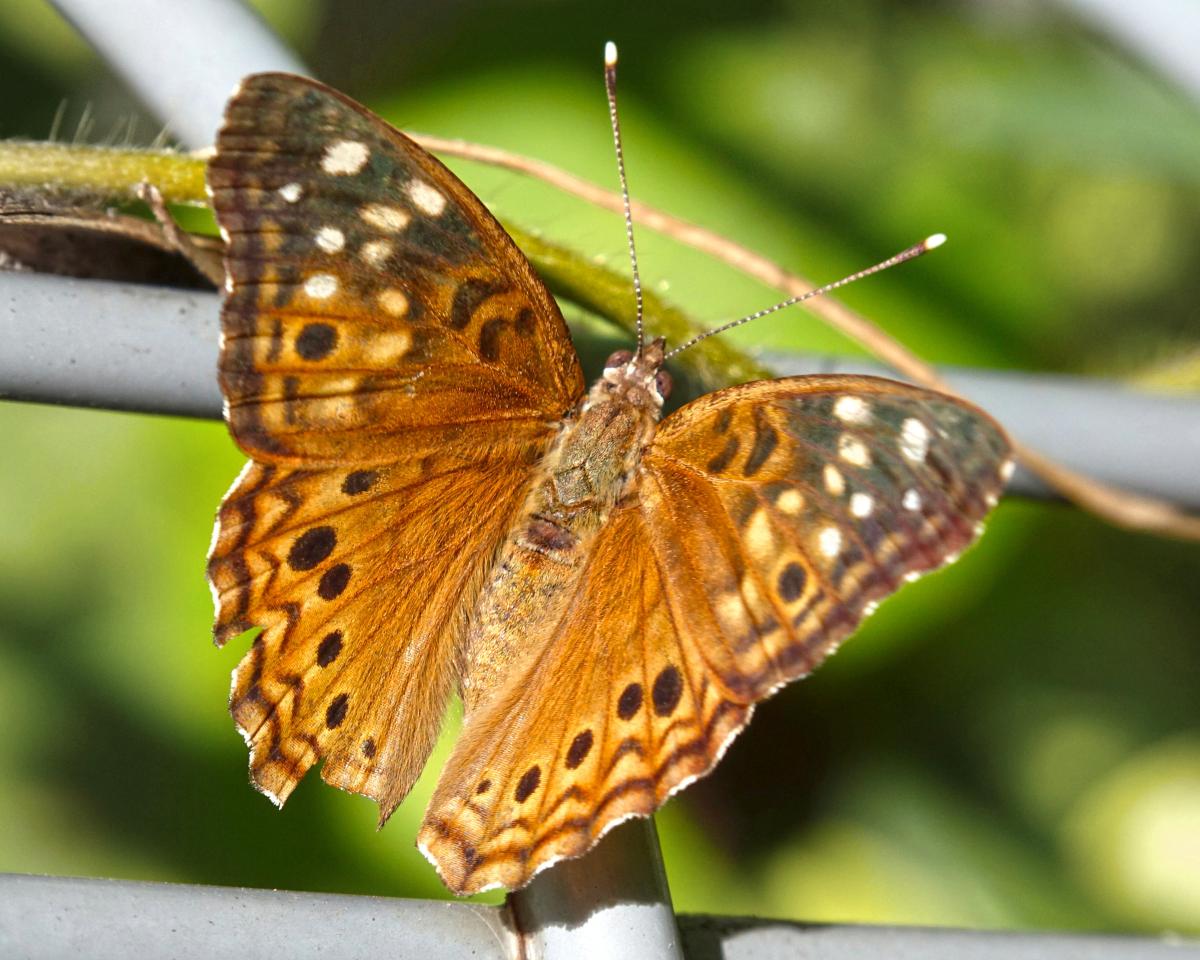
x,y
435,503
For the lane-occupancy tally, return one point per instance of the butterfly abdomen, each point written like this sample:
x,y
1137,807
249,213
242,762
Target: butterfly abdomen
x,y
584,476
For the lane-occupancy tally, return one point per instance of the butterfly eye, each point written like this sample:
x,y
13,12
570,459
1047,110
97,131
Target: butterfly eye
x,y
618,359
663,381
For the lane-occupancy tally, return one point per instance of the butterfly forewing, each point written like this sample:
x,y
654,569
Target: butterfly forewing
x,y
395,368
790,507
369,292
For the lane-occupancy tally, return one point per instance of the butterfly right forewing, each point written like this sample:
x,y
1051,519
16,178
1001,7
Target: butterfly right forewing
x,y
789,508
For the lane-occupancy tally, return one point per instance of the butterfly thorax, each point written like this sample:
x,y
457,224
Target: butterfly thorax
x,y
588,470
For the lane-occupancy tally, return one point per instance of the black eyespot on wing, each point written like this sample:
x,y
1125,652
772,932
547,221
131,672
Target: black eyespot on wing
x,y
331,646
791,582
667,689
335,713
334,581
316,341
528,783
360,481
311,547
630,701
580,747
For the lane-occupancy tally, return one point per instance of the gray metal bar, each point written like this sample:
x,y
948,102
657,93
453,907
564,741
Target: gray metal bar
x,y
56,917
140,39
613,902
90,343
128,347
1165,33
730,938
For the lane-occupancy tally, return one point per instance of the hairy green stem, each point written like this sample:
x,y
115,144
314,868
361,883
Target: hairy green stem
x,y
91,176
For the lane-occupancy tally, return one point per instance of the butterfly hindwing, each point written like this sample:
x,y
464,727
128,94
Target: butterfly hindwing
x,y
369,293
617,709
361,600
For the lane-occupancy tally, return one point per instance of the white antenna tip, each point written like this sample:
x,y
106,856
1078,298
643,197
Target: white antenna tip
x,y
932,243
610,54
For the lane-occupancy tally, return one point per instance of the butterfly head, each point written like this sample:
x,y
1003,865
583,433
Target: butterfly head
x,y
639,378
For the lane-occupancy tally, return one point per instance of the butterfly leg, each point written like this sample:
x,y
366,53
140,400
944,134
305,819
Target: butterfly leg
x,y
206,262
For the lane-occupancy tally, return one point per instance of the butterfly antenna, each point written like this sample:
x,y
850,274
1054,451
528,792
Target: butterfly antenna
x,y
929,243
610,85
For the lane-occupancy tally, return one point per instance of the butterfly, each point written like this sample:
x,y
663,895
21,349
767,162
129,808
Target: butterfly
x,y
436,503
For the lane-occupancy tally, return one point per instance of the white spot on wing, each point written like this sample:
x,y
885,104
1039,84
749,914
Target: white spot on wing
x,y
344,157
375,252
861,504
790,502
829,541
911,500
388,347
853,451
384,217
330,239
394,302
914,439
758,533
731,608
428,199
834,482
291,192
1006,470
321,286
851,409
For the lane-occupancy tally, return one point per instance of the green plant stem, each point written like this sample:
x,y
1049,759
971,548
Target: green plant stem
x,y
91,176
99,175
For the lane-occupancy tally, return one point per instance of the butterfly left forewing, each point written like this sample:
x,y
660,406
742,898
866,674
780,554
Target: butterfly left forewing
x,y
369,293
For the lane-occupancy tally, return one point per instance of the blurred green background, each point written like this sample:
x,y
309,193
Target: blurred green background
x,y
1012,743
